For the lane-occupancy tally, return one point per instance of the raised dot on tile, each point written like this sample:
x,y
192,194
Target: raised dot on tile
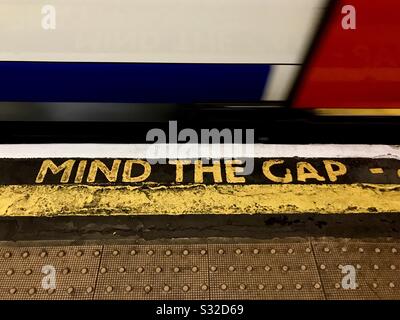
x,y
84,270
185,288
261,287
32,291
393,267
256,251
43,254
79,253
221,251
376,267
377,250
128,288
394,250
308,250
298,286
147,289
133,252
285,268
65,271
176,269
96,253
109,289
290,251
203,252
7,254
185,252
103,270
89,289
344,249
168,253
322,267
279,286
303,267
317,285
204,287
273,251
140,270
231,268
166,288
242,286
25,254
375,285
121,269
158,269
391,285
61,253
249,268
238,251
50,291
10,272
115,253
267,268
28,272
326,250
223,286
71,290
361,250
13,290
195,269
150,252
358,266
337,285
213,268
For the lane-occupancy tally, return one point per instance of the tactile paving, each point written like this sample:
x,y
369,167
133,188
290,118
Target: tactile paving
x,y
376,266
75,269
154,272
276,269
264,271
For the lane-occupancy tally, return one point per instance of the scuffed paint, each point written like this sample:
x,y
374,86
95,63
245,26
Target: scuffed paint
x,y
64,200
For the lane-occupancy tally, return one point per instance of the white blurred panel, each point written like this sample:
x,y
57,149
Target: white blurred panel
x,y
208,31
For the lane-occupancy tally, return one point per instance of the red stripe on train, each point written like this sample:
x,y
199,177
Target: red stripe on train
x,y
357,68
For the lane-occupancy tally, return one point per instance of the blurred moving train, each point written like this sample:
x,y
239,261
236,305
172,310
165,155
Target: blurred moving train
x,y
289,52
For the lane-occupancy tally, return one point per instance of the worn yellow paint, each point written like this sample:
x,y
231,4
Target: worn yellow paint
x,y
357,112
62,200
267,172
66,167
200,169
231,171
341,169
110,174
376,170
79,172
126,177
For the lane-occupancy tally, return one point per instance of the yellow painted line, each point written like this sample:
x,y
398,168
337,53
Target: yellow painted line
x,y
357,112
70,200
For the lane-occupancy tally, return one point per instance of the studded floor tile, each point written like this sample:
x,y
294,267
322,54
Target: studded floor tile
x,y
264,271
154,272
284,269
23,269
376,266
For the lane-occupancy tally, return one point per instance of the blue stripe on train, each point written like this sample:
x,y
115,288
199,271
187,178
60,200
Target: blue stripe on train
x,y
131,82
